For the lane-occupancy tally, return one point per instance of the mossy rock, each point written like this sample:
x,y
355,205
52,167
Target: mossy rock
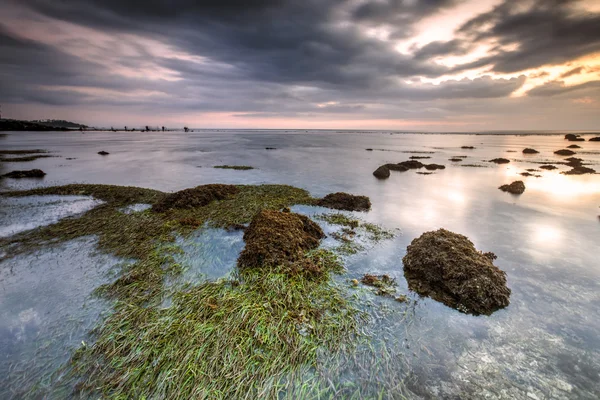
x,y
447,267
195,197
345,201
277,238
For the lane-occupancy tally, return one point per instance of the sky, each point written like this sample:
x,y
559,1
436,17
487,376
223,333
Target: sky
x,y
427,65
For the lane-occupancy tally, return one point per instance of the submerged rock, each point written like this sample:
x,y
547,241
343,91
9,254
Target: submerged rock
x,y
548,167
564,152
32,173
345,201
530,151
195,197
411,164
276,238
517,187
446,267
500,161
595,139
382,172
433,167
396,167
103,153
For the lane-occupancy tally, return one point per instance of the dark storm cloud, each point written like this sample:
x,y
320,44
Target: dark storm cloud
x,y
281,58
549,32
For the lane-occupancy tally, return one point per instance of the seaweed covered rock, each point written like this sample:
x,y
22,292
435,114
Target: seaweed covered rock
x,y
530,151
446,267
195,197
277,238
382,172
564,152
31,173
517,187
345,201
500,161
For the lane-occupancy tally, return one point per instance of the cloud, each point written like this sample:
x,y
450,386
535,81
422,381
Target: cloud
x,y
276,58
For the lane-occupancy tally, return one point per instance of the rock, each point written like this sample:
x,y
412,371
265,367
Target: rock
x,y
446,267
574,146
574,138
548,167
530,151
32,173
396,167
579,170
468,147
345,201
199,196
530,174
412,164
455,159
433,167
275,238
564,152
382,172
103,153
500,161
517,187
595,139
573,161
270,148
418,157
425,173
369,149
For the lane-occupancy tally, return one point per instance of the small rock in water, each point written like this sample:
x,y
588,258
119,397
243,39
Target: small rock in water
x,y
433,167
32,173
382,172
548,167
530,151
595,139
574,138
573,146
345,201
564,152
517,187
103,153
455,159
500,161
468,147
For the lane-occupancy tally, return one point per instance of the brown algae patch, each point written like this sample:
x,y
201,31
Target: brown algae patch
x,y
195,197
446,267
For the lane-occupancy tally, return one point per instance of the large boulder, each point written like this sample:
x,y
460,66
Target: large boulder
x,y
345,201
517,187
32,173
199,196
276,238
382,172
446,267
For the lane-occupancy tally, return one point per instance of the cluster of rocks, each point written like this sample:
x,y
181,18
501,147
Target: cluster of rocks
x,y
383,171
577,167
571,137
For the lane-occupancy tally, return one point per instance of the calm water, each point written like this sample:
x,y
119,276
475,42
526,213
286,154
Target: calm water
x,y
546,344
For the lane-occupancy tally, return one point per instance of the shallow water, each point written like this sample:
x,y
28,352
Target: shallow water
x,y
544,345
